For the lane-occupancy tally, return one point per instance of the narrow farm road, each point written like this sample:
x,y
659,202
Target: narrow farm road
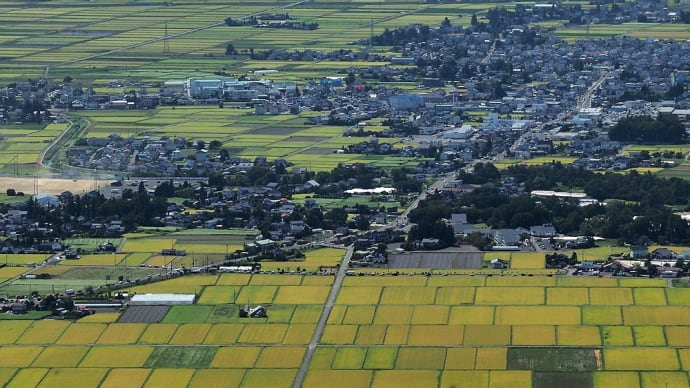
x,y
339,277
60,140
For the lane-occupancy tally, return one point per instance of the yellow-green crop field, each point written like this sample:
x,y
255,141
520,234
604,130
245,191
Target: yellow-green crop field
x,y
382,331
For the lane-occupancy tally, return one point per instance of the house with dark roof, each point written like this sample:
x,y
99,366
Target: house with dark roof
x,y
663,254
509,237
460,225
546,230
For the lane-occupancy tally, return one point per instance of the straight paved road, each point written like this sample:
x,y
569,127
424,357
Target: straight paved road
x,y
342,271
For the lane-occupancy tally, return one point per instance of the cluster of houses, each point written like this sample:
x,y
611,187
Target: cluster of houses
x,y
662,262
503,238
271,21
557,77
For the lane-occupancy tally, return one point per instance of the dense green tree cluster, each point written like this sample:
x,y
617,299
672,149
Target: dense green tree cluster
x,y
646,188
428,218
639,207
644,129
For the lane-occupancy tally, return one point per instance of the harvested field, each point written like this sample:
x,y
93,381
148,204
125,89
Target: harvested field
x,y
435,260
144,314
51,185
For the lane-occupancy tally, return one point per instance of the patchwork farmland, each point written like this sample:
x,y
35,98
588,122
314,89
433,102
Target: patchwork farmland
x,y
478,331
522,327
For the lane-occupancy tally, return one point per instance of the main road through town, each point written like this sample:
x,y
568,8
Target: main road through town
x,y
339,277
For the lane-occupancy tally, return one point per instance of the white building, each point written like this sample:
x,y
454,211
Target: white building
x,y
161,299
463,133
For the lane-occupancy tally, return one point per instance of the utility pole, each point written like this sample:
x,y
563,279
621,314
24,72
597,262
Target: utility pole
x,y
166,44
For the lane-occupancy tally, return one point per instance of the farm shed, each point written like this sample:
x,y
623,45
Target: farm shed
x,y
161,299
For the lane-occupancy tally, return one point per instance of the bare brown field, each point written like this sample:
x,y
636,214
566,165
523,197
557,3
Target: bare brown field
x,y
49,185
